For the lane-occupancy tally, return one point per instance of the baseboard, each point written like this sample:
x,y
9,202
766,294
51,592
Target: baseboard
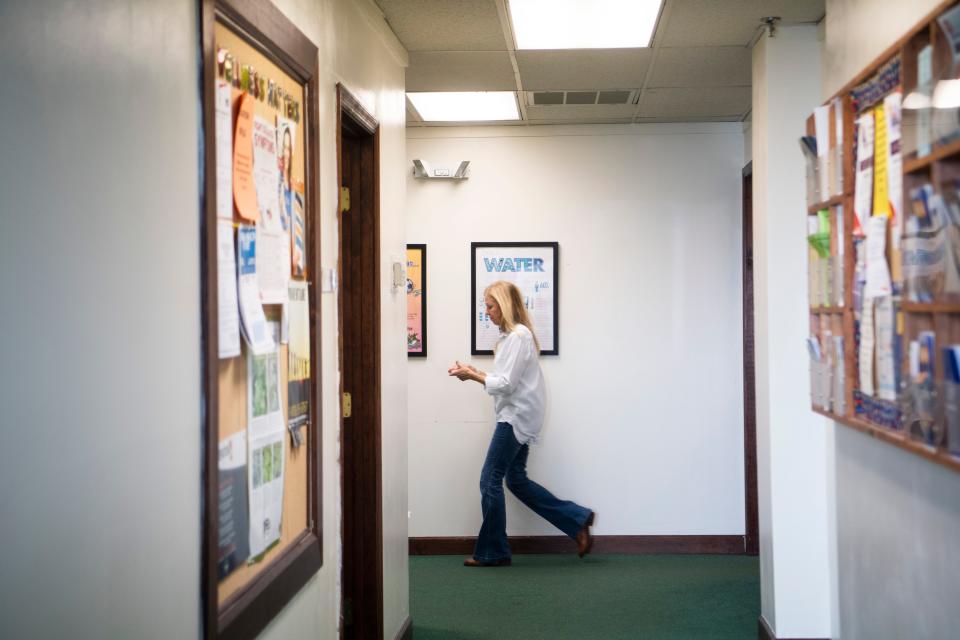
x,y
406,631
764,632
639,545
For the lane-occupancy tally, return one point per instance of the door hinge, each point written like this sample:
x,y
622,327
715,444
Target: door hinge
x,y
344,199
347,405
347,611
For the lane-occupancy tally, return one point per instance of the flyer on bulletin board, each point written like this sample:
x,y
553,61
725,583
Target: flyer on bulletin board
x,y
298,360
232,530
265,431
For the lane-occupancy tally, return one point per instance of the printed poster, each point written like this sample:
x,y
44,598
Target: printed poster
x,y
531,267
416,301
298,360
291,196
233,544
273,241
265,429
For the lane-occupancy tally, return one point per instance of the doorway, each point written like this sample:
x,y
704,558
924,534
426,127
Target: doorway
x,y
358,163
751,541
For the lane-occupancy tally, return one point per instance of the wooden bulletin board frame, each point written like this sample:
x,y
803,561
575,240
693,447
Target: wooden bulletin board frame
x,y
421,302
246,611
554,273
943,316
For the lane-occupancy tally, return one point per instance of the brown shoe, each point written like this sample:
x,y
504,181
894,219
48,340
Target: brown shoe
x,y
473,562
584,538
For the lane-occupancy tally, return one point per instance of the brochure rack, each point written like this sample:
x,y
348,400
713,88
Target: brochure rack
x,y
917,408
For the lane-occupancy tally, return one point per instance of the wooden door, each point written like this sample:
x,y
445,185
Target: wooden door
x,y
359,303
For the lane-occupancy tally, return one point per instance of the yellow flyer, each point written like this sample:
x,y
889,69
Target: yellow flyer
x,y
881,196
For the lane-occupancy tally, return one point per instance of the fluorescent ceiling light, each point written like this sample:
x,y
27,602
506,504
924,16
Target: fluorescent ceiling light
x,y
582,24
465,106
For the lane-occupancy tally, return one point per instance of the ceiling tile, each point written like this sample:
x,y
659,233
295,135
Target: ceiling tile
x,y
460,71
728,22
701,67
445,25
574,69
715,102
581,113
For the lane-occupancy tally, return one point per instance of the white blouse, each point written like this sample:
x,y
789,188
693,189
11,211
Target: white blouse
x,y
516,384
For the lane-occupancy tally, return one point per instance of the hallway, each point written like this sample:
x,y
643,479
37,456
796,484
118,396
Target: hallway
x,y
658,597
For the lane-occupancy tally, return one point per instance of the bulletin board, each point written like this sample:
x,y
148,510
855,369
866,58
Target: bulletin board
x,y
262,426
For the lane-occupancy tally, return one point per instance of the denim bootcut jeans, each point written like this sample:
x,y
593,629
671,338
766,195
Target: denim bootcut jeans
x,y
508,458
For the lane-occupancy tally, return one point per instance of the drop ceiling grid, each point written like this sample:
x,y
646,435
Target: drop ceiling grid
x,y
698,65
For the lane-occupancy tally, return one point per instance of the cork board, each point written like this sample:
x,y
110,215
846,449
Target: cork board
x,y
232,374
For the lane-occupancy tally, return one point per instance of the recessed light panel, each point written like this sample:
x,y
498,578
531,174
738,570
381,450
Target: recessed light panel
x,y
584,24
465,106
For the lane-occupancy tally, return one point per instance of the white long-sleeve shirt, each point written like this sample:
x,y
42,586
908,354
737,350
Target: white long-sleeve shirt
x,y
516,384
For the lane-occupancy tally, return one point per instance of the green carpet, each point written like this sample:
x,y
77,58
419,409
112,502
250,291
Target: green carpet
x,y
679,597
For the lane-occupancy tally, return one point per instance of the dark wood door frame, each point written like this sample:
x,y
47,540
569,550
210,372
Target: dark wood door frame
x,y
358,169
752,538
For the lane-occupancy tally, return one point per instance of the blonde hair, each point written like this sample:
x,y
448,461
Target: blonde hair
x,y
512,308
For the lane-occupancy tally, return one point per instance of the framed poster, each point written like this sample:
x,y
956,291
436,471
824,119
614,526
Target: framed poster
x,y
534,268
417,300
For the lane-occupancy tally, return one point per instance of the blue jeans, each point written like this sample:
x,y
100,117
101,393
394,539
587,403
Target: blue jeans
x,y
508,458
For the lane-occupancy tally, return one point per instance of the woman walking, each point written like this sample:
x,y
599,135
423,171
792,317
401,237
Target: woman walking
x,y
519,395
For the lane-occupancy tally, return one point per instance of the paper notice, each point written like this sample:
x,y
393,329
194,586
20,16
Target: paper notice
x,y
251,310
224,137
878,273
233,530
821,118
892,108
886,364
244,193
298,359
863,188
266,175
266,430
273,265
265,485
227,310
865,358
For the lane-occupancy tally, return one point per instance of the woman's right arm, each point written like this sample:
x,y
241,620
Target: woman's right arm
x,y
515,356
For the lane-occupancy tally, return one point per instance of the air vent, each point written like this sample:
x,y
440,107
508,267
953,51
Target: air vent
x,y
619,96
614,97
548,97
581,97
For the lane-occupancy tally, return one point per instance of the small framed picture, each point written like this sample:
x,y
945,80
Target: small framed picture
x,y
417,300
534,268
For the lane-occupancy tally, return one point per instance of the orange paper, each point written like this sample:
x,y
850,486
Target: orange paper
x,y
244,193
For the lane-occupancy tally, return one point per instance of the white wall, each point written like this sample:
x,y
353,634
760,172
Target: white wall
x,y
857,31
101,337
644,423
898,516
791,441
